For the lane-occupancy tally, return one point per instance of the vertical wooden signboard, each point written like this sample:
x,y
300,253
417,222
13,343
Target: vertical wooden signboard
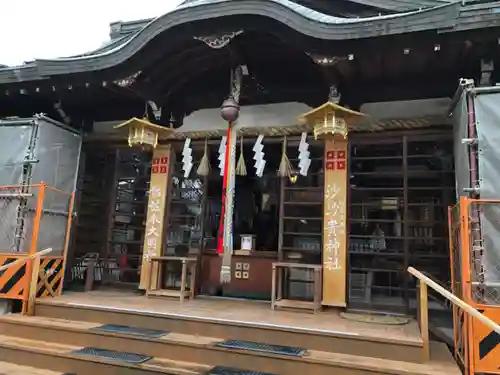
x,y
334,222
157,207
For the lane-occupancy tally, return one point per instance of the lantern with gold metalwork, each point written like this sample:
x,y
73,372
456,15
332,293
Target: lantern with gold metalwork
x,y
331,119
143,133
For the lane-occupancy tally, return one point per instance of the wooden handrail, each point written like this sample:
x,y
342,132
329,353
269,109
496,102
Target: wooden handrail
x,y
25,259
454,299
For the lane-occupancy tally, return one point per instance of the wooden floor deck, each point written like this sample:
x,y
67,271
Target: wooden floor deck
x,y
242,312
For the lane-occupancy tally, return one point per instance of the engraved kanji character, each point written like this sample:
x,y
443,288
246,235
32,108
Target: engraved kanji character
x,y
153,231
155,192
154,205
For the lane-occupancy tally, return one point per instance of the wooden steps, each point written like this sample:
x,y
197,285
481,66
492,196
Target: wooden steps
x,y
58,357
380,345
7,368
50,340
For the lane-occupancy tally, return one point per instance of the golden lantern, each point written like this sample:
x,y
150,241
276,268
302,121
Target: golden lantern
x,y
142,132
331,119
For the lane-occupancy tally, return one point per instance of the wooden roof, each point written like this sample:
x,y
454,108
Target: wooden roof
x,y
441,16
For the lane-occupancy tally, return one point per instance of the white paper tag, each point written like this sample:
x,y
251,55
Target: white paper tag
x,y
258,142
260,169
222,146
304,155
187,169
305,167
259,155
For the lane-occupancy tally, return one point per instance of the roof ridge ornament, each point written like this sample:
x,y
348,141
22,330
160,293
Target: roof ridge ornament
x,y
218,41
326,60
127,81
334,94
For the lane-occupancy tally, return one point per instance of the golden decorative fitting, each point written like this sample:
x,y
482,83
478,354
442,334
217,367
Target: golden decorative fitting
x,y
142,132
331,119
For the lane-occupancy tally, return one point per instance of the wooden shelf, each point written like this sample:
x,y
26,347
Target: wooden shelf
x,y
295,304
302,218
301,188
131,214
167,293
126,242
401,170
380,253
277,283
360,158
301,250
304,203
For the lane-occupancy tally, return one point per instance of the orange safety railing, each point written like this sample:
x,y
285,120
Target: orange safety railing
x,y
475,315
475,277
33,217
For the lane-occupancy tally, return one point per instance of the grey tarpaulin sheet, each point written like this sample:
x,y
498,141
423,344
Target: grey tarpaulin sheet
x,y
462,164
487,109
58,152
460,131
14,144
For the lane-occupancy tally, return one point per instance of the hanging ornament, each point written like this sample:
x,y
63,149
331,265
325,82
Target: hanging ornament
x,y
304,159
204,167
241,168
187,158
222,155
285,169
260,162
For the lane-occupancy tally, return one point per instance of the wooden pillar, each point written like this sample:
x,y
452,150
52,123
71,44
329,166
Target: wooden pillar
x,y
334,221
154,236
331,123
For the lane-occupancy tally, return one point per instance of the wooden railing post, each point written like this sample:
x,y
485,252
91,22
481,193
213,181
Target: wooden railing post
x,y
424,318
424,283
37,219
454,299
33,285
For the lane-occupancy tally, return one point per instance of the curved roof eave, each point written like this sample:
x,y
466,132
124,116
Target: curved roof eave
x,y
297,17
403,5
123,28
389,5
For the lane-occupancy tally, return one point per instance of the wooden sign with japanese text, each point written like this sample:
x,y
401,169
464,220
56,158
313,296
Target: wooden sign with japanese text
x,y
156,213
334,222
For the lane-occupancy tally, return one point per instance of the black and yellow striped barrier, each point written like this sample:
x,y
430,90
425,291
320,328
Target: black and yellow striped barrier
x,y
50,277
13,279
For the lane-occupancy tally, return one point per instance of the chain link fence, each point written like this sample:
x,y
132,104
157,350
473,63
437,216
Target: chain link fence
x,y
484,226
16,222
457,283
33,217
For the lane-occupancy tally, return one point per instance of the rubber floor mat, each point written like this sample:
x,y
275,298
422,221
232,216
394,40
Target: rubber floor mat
x,y
262,347
131,330
132,358
219,370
